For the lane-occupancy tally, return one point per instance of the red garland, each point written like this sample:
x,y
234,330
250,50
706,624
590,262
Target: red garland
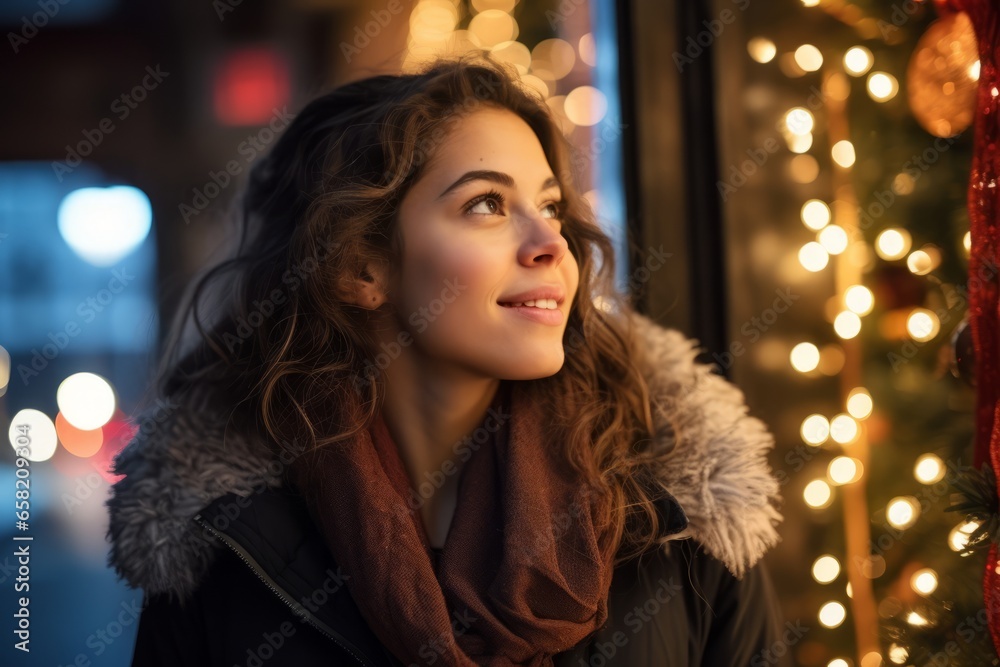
x,y
984,300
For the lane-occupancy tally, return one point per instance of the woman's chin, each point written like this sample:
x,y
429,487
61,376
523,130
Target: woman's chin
x,y
531,371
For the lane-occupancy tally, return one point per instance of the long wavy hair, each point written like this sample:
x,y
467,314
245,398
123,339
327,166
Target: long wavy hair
x,y
286,358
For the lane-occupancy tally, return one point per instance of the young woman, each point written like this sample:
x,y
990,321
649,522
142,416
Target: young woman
x,y
422,427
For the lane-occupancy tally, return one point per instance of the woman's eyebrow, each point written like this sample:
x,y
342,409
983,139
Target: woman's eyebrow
x,y
494,176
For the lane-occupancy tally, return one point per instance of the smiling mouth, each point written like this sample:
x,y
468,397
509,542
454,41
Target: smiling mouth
x,y
522,304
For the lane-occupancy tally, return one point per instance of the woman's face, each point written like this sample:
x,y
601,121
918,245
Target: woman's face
x,y
466,251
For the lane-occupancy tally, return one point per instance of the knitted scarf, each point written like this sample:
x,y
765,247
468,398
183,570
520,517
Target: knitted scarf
x,y
526,567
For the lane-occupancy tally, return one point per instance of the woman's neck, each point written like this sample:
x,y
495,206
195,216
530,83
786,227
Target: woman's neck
x,y
429,413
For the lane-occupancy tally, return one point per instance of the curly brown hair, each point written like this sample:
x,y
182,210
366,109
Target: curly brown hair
x,y
285,356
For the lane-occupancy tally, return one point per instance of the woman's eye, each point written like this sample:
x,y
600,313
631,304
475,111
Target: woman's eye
x,y
483,206
556,209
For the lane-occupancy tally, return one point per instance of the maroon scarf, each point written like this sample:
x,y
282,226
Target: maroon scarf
x,y
524,572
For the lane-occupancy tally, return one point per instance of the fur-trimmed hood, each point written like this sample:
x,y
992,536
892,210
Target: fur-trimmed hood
x,y
181,459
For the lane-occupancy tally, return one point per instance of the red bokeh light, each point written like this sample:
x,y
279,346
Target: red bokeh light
x,y
249,85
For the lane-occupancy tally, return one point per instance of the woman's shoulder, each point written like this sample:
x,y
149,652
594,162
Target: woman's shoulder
x,y
711,453
183,456
681,605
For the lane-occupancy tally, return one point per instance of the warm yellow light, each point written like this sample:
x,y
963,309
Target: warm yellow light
x,y
808,57
32,429
859,299
552,59
872,659
515,53
898,654
843,429
804,357
892,243
803,168
832,614
903,184
4,370
929,469
922,324
843,153
844,470
834,239
761,49
798,120
831,359
924,581
815,430
813,256
847,324
810,3
817,494
539,85
555,104
882,86
967,242
958,538
859,403
815,214
588,49
86,400
923,261
799,143
825,569
849,590
838,662
857,60
483,5
585,105
902,511
492,27
432,22
974,69
913,618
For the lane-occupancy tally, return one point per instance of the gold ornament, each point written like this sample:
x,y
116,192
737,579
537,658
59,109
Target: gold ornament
x,y
943,76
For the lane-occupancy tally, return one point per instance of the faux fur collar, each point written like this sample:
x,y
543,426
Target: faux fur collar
x,y
181,460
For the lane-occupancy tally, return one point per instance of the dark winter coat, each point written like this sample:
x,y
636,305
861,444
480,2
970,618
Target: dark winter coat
x,y
236,573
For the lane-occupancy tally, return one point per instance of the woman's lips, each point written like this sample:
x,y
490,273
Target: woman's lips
x,y
542,315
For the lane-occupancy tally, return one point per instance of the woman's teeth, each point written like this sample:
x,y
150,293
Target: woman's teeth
x,y
546,304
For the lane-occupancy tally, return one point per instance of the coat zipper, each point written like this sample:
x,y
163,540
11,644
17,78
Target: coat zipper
x,y
323,628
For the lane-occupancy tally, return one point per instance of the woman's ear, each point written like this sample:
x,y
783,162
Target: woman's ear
x,y
368,289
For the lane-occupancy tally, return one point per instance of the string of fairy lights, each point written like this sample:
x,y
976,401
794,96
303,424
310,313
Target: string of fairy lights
x,y
846,312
